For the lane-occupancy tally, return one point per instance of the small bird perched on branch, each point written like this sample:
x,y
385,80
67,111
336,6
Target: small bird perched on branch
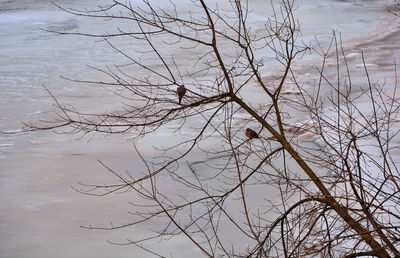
x,y
251,134
181,90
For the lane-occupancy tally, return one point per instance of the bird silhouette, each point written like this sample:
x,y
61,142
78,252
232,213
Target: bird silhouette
x,y
181,90
251,134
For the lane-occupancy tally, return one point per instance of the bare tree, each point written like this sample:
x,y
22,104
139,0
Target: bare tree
x,y
338,195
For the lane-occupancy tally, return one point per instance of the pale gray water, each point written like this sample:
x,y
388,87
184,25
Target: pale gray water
x,y
40,214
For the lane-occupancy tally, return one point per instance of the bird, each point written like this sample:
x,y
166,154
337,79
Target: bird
x,y
181,90
251,134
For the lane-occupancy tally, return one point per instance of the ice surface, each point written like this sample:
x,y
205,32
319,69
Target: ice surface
x,y
40,213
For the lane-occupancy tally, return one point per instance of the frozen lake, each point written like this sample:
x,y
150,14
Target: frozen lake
x,y
40,215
